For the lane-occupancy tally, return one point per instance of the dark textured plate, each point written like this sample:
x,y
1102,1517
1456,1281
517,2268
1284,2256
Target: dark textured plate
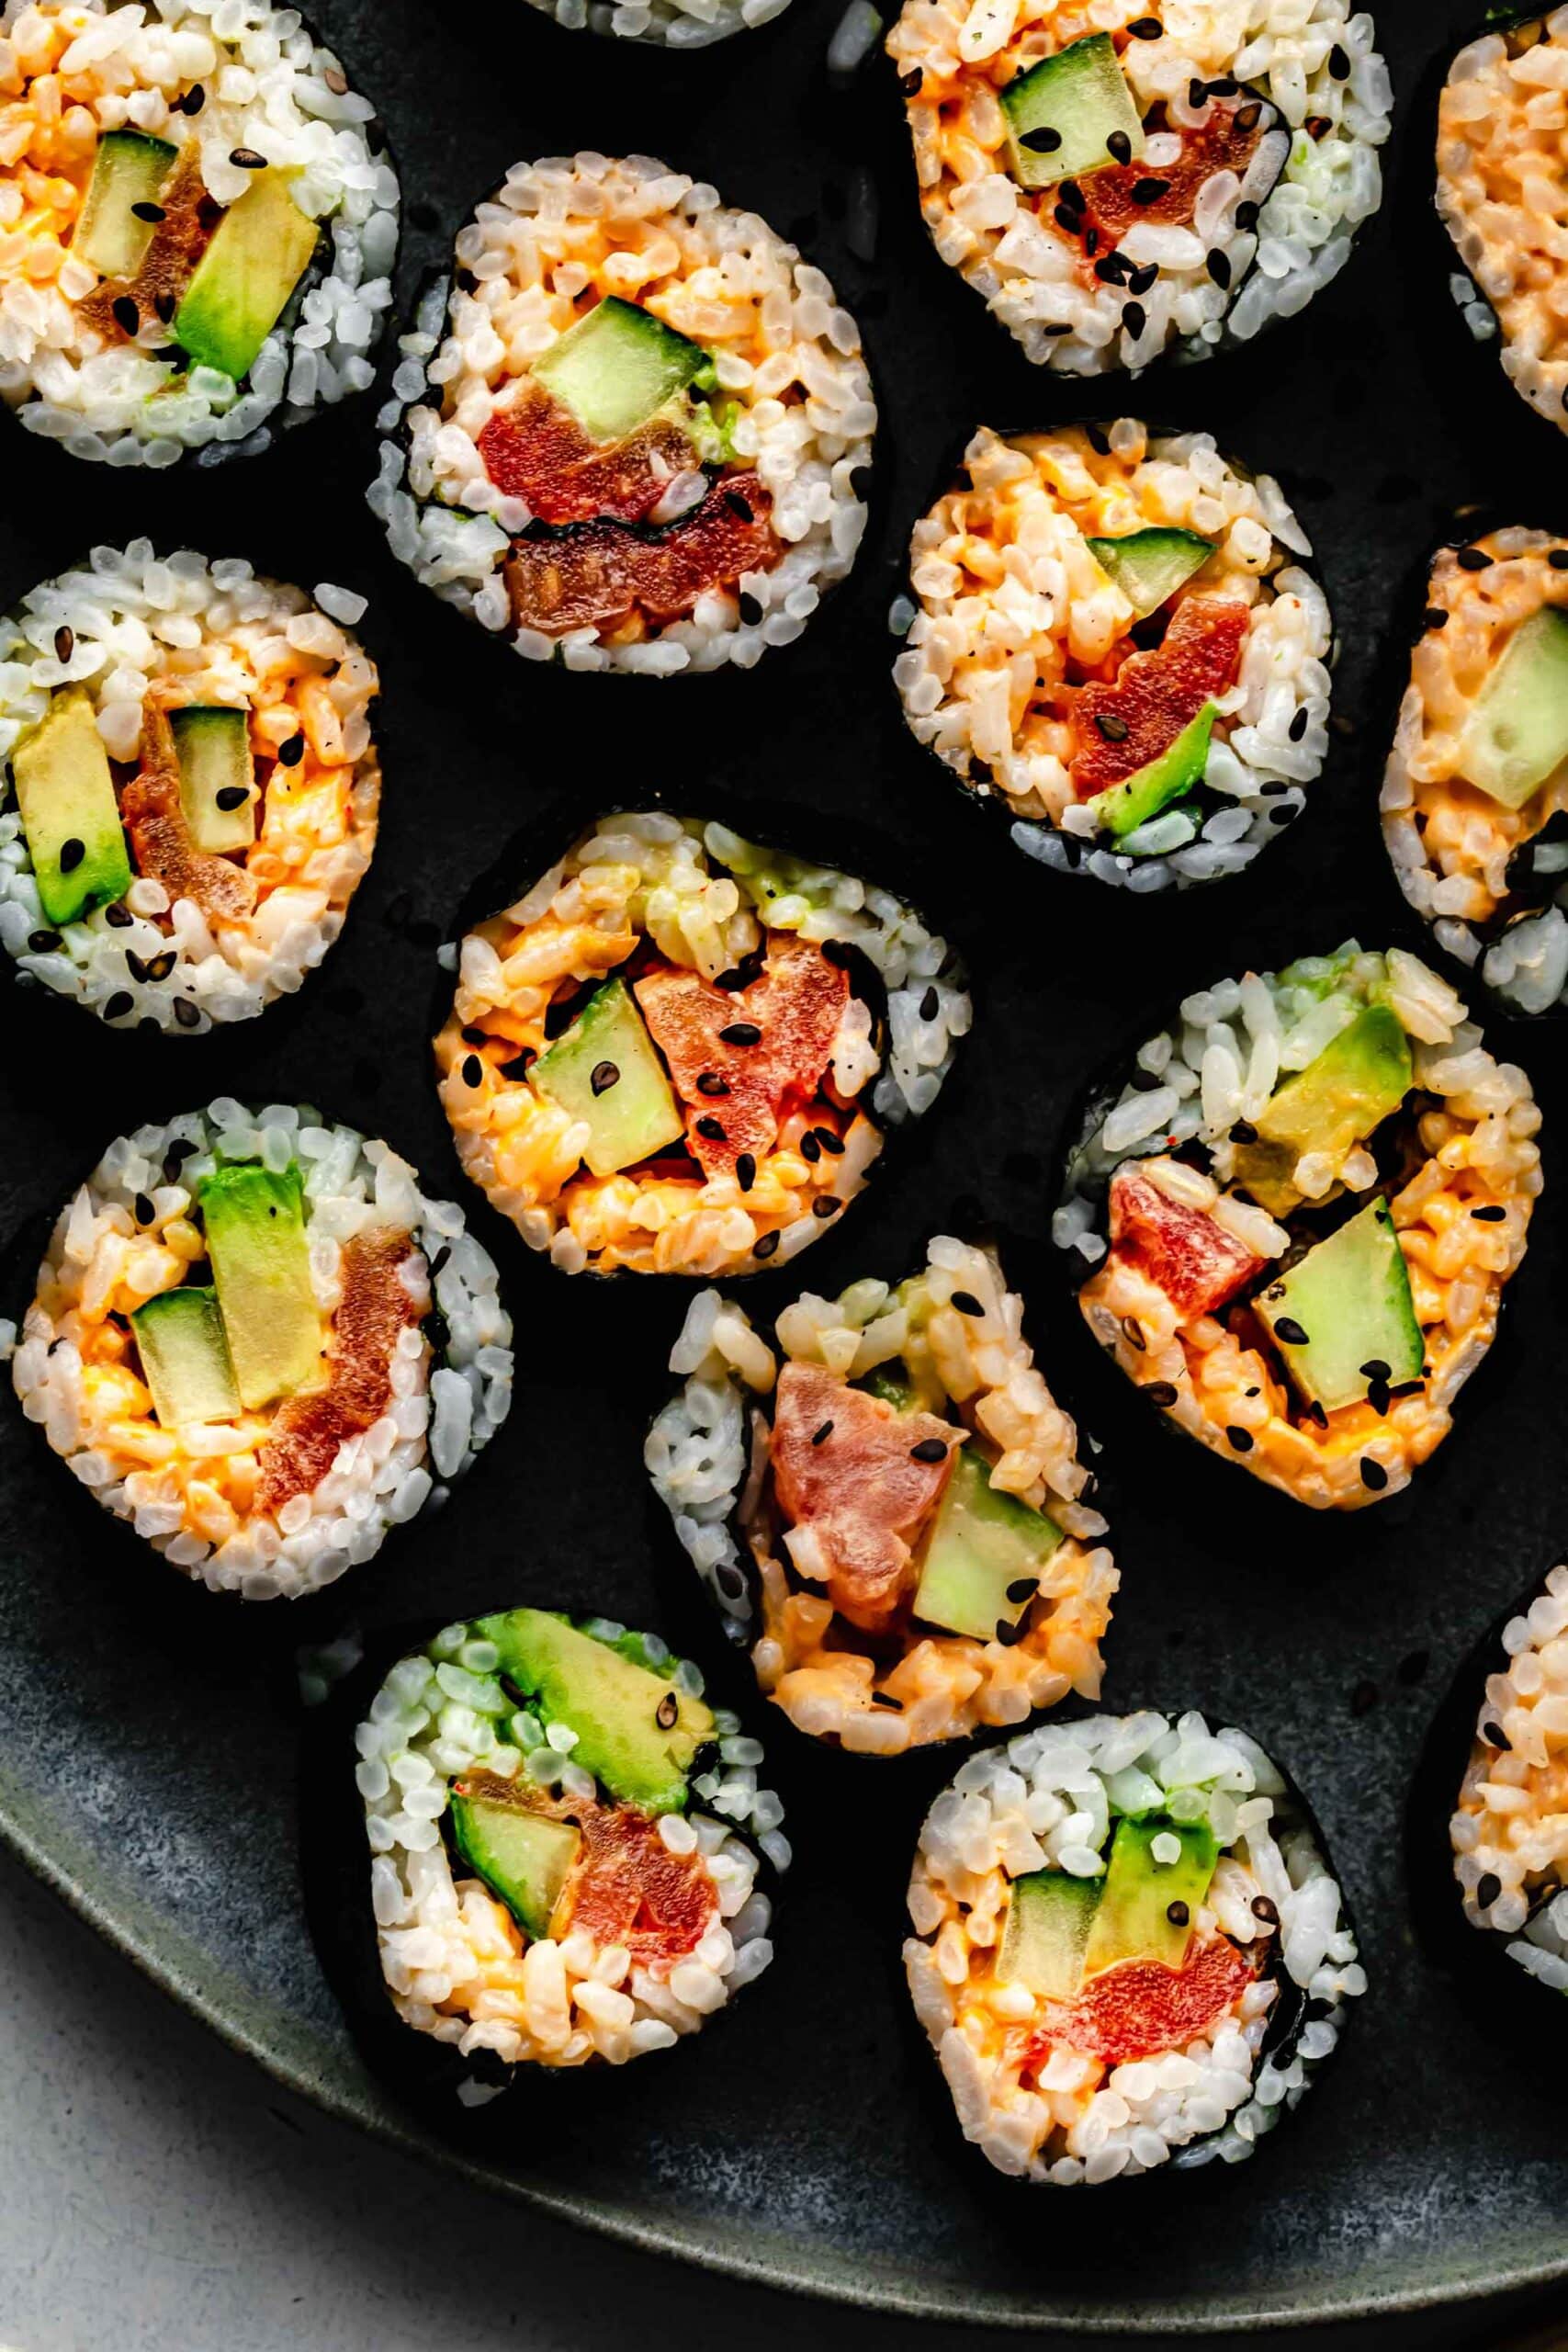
x,y
147,1731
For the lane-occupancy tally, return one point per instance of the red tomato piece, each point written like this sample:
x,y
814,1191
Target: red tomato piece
x,y
1121,728
1195,1261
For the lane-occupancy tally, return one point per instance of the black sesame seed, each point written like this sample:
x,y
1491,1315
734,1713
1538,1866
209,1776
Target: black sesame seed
x,y
1494,1735
1007,1635
193,101
711,1084
967,1303
1120,146
1242,1133
1262,1908
1197,94
245,159
930,1005
1161,1393
831,1143
910,82
438,1263
165,306
1316,1413
1299,725
472,1037
1283,816
1112,729
1473,559
824,1205
119,1005
291,754
1338,63
1023,1588
1492,1214
1067,221
605,1075
1132,1333
187,1015
810,1149
1098,439
127,314
739,505
1149,189
1218,267
732,981
819,1436
667,1712
1435,617
1222,87
1177,1914
751,611
766,1246
1557,558
143,1209
1373,1475
149,212
1487,1890
1043,141
42,943
72,852
930,1449
746,1171
1135,318
232,796
473,1070
1374,1369
1286,1328
883,1699
160,966
741,1033
1241,1438
1146,28
1247,216
1142,279
710,1130
1111,271
64,644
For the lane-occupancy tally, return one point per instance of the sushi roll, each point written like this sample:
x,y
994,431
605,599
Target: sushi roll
x,y
1474,812
190,788
1115,645
1293,1224
197,226
1130,1948
887,1503
1502,155
255,1340
665,23
631,430
1123,179
570,1847
679,1052
1509,1834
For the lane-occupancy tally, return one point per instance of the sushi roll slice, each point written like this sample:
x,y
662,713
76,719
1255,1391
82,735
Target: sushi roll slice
x,y
630,430
571,1848
1118,181
1474,812
1502,155
1509,1835
197,227
1130,1948
1293,1224
887,1503
664,24
1116,647
677,1052
254,1338
190,788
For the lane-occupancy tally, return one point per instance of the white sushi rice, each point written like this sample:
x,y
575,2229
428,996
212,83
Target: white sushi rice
x,y
454,1961
1510,1832
723,277
1050,1799
667,24
1219,282
123,625
268,89
445,1407
977,643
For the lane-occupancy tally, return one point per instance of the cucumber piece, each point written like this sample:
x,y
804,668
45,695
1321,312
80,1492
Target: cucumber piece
x,y
1063,114
260,251
1150,566
217,784
185,1357
983,1555
66,796
1121,807
127,170
1516,736
1050,1914
618,366
524,1858
1344,1307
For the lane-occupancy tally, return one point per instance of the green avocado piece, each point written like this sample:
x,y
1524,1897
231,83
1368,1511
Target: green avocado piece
x,y
983,1555
524,1858
1049,1916
260,251
605,1070
635,1730
1063,114
65,794
1516,735
1121,807
129,169
1361,1077
255,1219
218,786
616,367
1343,1317
1149,566
1134,1919
185,1357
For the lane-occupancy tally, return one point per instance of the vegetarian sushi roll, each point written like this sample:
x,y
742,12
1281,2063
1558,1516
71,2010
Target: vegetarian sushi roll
x,y
1509,1833
678,1051
1130,1948
255,1340
197,226
1476,792
569,1843
190,787
1502,155
1294,1222
631,430
1119,179
887,1505
1115,645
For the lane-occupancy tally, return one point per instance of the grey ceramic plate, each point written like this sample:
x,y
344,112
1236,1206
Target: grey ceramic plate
x,y
148,1733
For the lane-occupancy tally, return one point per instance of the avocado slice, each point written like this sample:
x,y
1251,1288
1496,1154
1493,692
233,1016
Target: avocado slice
x,y
1361,1077
524,1858
1516,735
984,1554
605,1070
1147,1908
127,170
1343,1317
1049,1916
260,1264
217,784
65,794
1121,807
260,251
1063,114
618,366
185,1357
1150,566
635,1730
